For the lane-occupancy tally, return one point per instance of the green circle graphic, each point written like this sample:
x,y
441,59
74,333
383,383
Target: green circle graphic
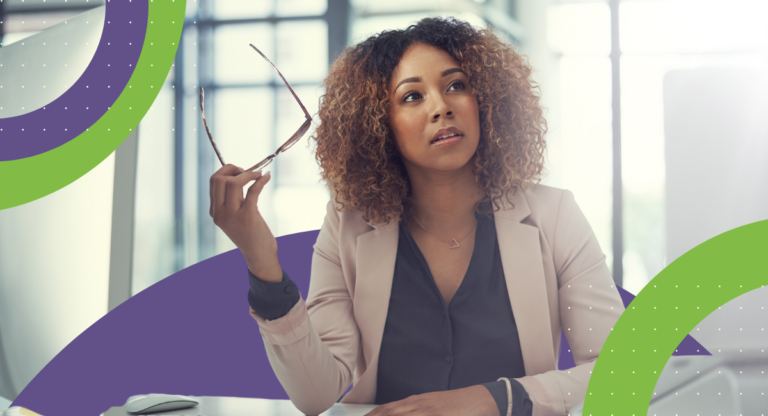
x,y
28,179
666,310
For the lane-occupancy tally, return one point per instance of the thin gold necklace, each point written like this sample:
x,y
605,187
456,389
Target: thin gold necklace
x,y
453,243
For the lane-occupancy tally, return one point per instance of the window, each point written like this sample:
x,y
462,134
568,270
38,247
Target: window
x,y
250,113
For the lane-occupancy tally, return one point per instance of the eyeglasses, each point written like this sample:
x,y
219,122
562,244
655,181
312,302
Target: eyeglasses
x,y
287,145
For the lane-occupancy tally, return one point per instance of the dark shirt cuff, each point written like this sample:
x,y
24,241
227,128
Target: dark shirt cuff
x,y
272,300
521,402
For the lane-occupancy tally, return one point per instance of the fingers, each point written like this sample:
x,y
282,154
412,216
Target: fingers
x,y
252,197
217,187
234,198
384,409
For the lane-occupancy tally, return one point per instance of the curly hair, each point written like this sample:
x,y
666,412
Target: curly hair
x,y
355,146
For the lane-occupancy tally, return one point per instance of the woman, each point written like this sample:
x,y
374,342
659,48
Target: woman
x,y
442,274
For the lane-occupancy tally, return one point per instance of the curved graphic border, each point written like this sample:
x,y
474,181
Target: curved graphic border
x,y
666,310
66,117
27,179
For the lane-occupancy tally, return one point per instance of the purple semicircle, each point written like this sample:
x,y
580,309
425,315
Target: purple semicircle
x,y
190,334
125,26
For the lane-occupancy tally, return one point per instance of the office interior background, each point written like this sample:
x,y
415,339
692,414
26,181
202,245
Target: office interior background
x,y
617,84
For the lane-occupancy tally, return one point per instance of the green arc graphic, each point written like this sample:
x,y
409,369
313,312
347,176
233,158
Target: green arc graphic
x,y
666,310
28,179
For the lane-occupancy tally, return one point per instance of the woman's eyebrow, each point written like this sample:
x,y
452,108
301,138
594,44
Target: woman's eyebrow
x,y
417,79
451,71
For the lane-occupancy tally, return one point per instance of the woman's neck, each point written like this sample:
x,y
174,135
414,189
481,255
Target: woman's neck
x,y
445,201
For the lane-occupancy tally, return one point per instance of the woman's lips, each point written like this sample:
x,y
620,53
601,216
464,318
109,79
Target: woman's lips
x,y
448,141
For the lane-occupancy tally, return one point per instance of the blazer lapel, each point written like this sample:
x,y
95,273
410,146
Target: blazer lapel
x,y
375,268
521,260
523,270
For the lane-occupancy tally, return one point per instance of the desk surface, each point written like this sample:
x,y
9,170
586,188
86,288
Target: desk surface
x,y
237,406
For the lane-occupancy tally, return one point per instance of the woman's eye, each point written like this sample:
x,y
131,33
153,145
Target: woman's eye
x,y
411,96
458,84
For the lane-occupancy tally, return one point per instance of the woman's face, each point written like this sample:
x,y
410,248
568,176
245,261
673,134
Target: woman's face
x,y
433,111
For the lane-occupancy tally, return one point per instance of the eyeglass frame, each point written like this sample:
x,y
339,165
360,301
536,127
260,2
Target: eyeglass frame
x,y
285,146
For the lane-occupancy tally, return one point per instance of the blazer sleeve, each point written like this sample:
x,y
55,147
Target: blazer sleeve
x,y
589,305
315,359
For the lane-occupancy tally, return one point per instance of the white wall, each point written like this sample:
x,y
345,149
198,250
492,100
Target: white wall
x,y
54,252
716,152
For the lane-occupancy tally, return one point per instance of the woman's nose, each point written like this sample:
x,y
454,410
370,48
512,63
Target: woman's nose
x,y
437,115
442,110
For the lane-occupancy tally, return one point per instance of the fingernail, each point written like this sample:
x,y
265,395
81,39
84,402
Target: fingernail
x,y
265,173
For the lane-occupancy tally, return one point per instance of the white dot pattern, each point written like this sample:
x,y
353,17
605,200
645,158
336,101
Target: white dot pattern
x,y
734,334
72,65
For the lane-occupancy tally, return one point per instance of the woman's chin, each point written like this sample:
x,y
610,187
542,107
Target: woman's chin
x,y
453,164
445,163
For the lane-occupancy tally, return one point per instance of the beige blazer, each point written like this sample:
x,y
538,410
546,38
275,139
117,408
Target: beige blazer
x,y
556,277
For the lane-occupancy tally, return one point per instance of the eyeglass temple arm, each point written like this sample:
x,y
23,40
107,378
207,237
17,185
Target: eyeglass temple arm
x,y
208,131
306,113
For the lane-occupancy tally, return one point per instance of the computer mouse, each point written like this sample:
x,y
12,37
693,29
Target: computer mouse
x,y
158,403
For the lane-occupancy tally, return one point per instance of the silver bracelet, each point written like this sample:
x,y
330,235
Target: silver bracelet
x,y
509,395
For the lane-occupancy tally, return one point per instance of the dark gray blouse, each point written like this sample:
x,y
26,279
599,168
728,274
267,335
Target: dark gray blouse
x,y
428,346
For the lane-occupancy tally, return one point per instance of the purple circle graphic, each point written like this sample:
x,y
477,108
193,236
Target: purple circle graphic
x,y
188,334
125,25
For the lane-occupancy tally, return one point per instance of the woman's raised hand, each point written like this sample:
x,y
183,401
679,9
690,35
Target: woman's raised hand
x,y
241,221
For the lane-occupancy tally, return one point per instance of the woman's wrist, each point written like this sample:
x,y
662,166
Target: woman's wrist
x,y
484,396
498,392
268,272
508,386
